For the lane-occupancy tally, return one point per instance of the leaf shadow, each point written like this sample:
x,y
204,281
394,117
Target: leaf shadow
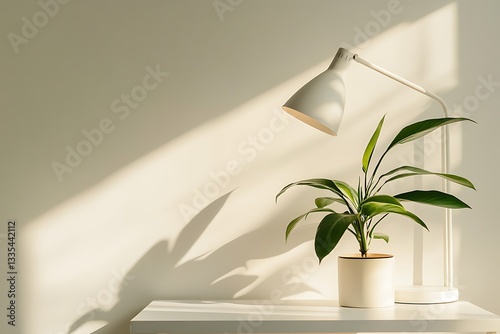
x,y
221,274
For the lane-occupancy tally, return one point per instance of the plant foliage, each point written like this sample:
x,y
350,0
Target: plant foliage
x,y
364,207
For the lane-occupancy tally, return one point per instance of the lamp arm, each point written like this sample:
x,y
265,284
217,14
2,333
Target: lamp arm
x,y
445,148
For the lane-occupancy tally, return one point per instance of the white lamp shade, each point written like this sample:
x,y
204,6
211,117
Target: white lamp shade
x,y
320,102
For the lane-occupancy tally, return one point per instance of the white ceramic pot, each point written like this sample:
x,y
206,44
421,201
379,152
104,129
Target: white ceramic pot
x,y
366,281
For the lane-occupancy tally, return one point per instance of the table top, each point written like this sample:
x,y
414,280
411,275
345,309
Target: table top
x,y
308,316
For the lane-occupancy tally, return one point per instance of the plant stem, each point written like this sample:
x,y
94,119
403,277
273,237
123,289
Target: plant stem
x,y
375,170
363,245
366,188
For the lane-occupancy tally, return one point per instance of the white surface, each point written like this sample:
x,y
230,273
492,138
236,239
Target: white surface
x,y
319,316
426,294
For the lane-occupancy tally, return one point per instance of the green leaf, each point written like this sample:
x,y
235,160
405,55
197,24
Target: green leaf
x,y
419,171
316,183
433,197
317,210
292,225
382,199
378,235
367,156
330,231
372,209
294,222
341,189
421,128
321,202
347,190
417,130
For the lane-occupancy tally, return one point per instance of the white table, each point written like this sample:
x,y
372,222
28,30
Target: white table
x,y
318,316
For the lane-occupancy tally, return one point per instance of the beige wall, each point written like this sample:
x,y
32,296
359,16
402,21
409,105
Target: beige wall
x,y
142,146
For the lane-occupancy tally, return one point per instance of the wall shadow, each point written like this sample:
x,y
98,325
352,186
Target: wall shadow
x,y
148,279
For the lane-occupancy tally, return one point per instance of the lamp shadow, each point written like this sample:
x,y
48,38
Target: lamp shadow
x,y
160,275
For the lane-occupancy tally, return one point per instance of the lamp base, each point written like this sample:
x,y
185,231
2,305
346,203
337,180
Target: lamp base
x,y
419,294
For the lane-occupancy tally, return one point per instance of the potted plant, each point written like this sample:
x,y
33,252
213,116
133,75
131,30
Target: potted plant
x,y
364,207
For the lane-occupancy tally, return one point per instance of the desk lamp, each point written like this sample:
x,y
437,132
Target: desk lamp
x,y
320,104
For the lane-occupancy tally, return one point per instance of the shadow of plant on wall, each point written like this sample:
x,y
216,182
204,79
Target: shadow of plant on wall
x,y
219,273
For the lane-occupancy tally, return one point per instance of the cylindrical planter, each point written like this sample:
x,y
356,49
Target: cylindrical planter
x,y
366,281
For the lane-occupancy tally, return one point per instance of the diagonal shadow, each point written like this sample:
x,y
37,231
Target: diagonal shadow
x,y
150,275
150,278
